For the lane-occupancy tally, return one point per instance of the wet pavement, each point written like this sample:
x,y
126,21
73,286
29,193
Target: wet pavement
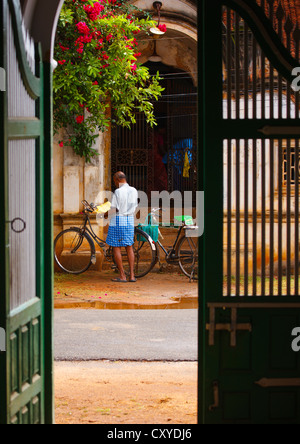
x,y
95,290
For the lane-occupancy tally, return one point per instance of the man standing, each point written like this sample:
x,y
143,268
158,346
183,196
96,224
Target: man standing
x,y
121,228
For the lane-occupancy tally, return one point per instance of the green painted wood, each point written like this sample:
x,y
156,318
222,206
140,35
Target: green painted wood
x,y
23,314
24,398
41,235
4,239
200,159
48,301
228,375
242,400
32,83
211,95
24,129
26,370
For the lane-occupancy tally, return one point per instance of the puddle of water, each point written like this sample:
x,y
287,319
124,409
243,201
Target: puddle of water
x,y
185,304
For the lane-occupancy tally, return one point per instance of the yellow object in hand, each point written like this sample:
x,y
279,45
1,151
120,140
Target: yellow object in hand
x,y
104,208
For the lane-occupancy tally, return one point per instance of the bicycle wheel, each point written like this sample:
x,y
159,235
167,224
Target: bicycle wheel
x,y
188,256
145,254
73,251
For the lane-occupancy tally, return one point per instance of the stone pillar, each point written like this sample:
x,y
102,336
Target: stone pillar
x,y
75,180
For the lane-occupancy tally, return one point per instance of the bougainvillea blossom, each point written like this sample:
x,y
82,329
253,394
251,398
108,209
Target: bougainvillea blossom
x,y
98,69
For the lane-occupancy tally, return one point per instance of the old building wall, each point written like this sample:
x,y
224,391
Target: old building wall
x,y
75,180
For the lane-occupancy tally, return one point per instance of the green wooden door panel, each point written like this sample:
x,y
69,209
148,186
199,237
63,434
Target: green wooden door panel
x,y
248,372
22,389
254,377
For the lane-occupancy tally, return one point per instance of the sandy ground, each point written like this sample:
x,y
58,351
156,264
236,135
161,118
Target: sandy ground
x,y
96,290
125,393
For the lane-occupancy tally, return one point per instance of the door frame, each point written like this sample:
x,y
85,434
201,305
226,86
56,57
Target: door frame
x,y
43,27
211,159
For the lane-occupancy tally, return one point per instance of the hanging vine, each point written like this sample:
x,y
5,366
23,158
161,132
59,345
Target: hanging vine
x,y
96,50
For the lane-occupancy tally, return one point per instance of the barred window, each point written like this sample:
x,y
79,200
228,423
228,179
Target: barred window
x,y
291,165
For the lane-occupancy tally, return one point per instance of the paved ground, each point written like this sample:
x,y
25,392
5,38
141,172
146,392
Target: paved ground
x,y
135,335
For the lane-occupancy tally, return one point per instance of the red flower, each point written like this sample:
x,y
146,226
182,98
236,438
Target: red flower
x,y
83,28
162,28
61,144
62,62
93,12
63,48
79,119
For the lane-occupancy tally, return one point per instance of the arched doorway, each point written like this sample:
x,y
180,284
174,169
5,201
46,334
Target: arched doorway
x,y
154,158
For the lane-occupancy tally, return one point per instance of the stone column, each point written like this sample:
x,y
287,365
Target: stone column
x,y
75,180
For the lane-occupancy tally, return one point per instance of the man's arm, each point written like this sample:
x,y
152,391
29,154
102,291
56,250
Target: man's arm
x,y
114,206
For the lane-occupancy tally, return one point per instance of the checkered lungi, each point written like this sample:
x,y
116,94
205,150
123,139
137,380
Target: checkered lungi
x,y
121,231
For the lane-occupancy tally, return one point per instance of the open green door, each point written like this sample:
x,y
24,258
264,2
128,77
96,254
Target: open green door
x,y
26,366
249,372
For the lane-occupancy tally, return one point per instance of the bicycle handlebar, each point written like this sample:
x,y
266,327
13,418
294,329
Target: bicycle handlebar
x,y
155,210
88,206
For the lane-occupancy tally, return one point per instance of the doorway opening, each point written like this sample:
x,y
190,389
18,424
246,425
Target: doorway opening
x,y
164,157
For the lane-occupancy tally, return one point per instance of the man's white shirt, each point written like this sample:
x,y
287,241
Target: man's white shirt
x,y
125,200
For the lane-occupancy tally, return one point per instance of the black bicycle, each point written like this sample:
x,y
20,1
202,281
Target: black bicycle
x,y
75,251
184,251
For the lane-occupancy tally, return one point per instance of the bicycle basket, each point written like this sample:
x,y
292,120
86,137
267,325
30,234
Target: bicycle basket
x,y
148,228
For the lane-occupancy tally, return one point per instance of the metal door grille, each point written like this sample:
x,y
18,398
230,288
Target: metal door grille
x,y
22,180
135,151
284,16
253,88
261,176
132,153
182,135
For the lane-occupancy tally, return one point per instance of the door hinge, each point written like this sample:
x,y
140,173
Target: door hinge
x,y
216,393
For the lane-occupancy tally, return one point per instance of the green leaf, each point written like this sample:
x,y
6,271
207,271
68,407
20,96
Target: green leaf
x,y
109,64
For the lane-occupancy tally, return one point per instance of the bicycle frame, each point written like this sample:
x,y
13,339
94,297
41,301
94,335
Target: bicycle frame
x,y
173,250
87,228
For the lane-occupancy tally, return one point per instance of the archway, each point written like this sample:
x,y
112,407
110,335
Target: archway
x,y
154,158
